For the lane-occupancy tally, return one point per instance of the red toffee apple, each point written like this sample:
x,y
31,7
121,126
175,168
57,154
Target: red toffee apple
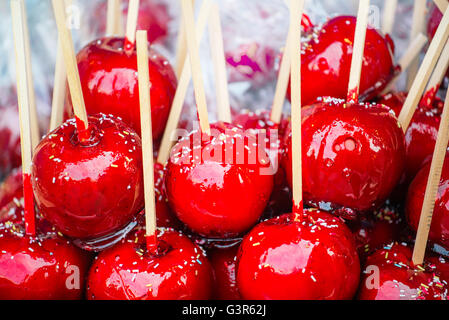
x,y
421,135
92,188
109,81
353,155
390,275
439,231
223,261
311,259
376,229
179,270
42,267
165,216
219,185
326,61
258,121
9,139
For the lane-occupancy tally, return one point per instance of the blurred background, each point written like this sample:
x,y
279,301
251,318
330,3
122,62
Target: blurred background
x,y
259,25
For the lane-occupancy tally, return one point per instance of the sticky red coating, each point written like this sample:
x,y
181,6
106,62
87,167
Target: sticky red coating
x,y
326,61
314,258
88,190
109,80
126,271
353,155
212,185
390,275
439,230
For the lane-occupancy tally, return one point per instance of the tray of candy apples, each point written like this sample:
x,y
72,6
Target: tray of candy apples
x,y
335,188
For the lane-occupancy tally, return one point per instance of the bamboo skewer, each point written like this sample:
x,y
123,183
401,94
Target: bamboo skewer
x,y
131,24
282,82
24,102
410,54
440,70
59,90
181,47
424,72
181,90
441,4
418,26
35,132
71,65
296,9
389,16
114,18
195,64
59,86
218,57
432,187
358,51
147,140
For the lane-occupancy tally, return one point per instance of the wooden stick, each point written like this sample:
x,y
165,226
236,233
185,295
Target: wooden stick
x,y
358,50
296,10
389,15
218,57
181,90
282,83
71,65
440,70
113,18
195,64
147,139
59,86
131,24
35,131
441,4
418,26
59,90
424,72
410,54
24,99
433,182
181,47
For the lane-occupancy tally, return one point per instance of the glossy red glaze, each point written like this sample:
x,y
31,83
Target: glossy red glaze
x,y
11,188
376,229
40,268
89,189
390,275
310,259
326,61
280,200
223,261
421,135
110,83
9,139
179,271
352,156
439,231
165,216
211,185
